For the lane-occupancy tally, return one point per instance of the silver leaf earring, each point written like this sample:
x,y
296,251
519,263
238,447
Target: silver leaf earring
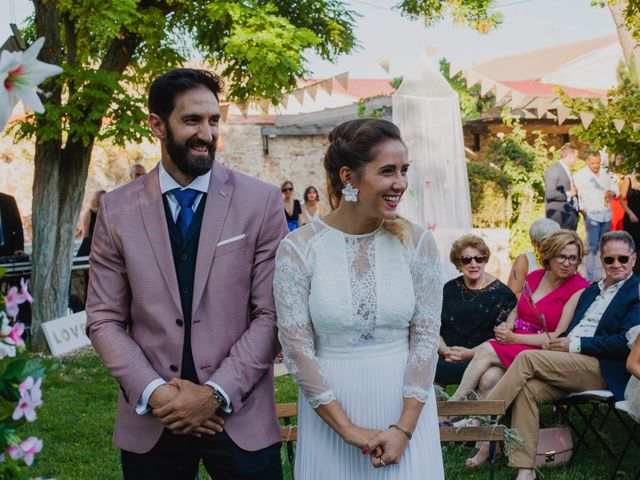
x,y
349,193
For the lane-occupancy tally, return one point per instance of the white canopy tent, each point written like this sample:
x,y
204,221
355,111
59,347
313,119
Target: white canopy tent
x,y
427,111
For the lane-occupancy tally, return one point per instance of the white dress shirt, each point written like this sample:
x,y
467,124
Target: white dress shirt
x,y
588,325
167,184
591,190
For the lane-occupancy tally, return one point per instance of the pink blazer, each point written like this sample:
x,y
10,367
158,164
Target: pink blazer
x,y
133,302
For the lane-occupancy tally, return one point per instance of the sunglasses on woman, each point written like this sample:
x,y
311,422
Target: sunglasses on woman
x,y
623,259
479,259
287,189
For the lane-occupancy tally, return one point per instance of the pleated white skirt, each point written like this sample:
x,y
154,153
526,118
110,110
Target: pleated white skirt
x,y
368,383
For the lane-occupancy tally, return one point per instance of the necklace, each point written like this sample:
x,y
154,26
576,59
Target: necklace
x,y
466,287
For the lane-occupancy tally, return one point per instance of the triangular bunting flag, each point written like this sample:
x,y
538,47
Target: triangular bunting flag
x,y
343,80
530,113
299,95
586,118
518,99
224,111
619,124
486,84
473,77
541,104
327,85
244,109
312,90
501,91
431,51
454,68
265,103
563,113
384,64
285,101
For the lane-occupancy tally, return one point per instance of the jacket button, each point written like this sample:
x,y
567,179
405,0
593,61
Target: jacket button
x,y
179,322
173,368
184,256
185,290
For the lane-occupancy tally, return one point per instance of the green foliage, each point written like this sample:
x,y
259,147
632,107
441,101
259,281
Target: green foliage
x,y
396,82
623,102
489,191
477,14
472,102
523,164
258,46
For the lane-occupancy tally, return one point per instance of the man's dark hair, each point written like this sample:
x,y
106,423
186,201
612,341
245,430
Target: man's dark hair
x,y
168,86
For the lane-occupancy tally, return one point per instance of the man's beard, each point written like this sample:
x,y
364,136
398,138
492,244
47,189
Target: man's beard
x,y
182,158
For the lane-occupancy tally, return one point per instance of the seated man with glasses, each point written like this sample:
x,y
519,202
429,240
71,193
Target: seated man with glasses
x,y
590,356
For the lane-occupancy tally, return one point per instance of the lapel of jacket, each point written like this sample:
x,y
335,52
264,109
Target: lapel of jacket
x,y
586,299
215,214
616,300
155,225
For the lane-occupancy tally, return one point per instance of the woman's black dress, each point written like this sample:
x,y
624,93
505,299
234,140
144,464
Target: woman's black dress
x,y
468,318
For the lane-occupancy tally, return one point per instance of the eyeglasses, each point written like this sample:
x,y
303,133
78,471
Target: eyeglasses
x,y
572,259
479,259
288,189
623,259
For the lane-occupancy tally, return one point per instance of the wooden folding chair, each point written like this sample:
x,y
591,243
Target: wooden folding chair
x,y
288,432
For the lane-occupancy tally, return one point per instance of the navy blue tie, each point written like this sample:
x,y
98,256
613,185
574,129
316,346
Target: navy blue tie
x,y
185,198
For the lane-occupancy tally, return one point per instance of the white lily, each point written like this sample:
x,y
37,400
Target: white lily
x,y
20,74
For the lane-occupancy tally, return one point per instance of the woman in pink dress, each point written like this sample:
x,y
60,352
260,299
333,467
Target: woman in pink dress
x,y
544,311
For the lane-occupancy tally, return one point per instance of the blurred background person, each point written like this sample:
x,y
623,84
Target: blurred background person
x,y
472,305
88,222
137,170
11,234
292,207
617,211
527,262
560,193
312,210
630,201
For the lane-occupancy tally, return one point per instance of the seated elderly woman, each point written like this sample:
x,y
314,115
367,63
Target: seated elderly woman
x,y
543,311
527,262
472,305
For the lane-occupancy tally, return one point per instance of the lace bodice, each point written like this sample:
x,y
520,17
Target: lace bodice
x,y
338,291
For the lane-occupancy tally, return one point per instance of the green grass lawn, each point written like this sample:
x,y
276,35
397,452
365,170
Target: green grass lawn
x,y
76,423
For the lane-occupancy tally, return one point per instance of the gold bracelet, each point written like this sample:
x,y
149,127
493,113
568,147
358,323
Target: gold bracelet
x,y
402,429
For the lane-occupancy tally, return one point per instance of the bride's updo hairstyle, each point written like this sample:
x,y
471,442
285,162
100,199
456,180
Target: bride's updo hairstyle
x,y
353,144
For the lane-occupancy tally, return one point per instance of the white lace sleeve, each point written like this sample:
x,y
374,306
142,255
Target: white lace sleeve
x,y
291,290
425,325
632,334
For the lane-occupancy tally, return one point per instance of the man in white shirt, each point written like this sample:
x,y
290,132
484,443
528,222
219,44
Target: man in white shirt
x,y
591,356
596,187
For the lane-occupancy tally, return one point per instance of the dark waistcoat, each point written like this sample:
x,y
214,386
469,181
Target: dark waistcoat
x,y
185,254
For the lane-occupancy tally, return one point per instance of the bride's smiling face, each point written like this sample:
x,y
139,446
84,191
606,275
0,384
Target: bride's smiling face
x,y
383,181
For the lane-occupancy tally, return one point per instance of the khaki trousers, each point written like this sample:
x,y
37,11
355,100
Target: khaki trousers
x,y
537,377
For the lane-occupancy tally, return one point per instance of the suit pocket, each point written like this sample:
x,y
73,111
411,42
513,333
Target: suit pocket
x,y
231,245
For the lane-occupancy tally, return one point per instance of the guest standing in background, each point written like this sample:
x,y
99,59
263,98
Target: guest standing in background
x,y
630,201
137,171
88,222
292,207
312,210
527,262
472,305
560,193
617,211
596,187
11,235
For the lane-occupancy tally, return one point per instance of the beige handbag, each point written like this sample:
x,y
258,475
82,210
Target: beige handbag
x,y
555,447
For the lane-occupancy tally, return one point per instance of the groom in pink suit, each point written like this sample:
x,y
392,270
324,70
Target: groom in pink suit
x,y
180,305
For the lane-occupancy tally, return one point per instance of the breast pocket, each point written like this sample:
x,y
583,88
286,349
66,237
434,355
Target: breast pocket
x,y
232,244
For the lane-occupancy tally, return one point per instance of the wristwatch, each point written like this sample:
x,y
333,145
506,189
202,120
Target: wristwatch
x,y
217,394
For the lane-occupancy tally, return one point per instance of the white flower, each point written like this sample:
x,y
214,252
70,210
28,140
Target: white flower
x,y
20,74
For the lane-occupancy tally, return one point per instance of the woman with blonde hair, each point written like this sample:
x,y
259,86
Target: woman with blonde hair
x,y
543,311
358,296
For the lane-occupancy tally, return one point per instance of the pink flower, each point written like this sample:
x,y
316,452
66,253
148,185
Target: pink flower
x,y
24,291
500,135
27,405
11,302
26,450
15,335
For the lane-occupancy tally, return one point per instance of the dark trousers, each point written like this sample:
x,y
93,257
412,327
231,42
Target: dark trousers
x,y
449,373
177,457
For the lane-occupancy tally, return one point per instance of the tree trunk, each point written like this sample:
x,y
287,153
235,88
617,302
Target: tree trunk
x,y
630,47
60,178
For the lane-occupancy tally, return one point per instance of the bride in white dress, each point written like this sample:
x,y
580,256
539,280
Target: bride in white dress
x,y
358,298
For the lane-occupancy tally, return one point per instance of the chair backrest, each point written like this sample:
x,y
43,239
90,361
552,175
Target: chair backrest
x,y
286,412
480,408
